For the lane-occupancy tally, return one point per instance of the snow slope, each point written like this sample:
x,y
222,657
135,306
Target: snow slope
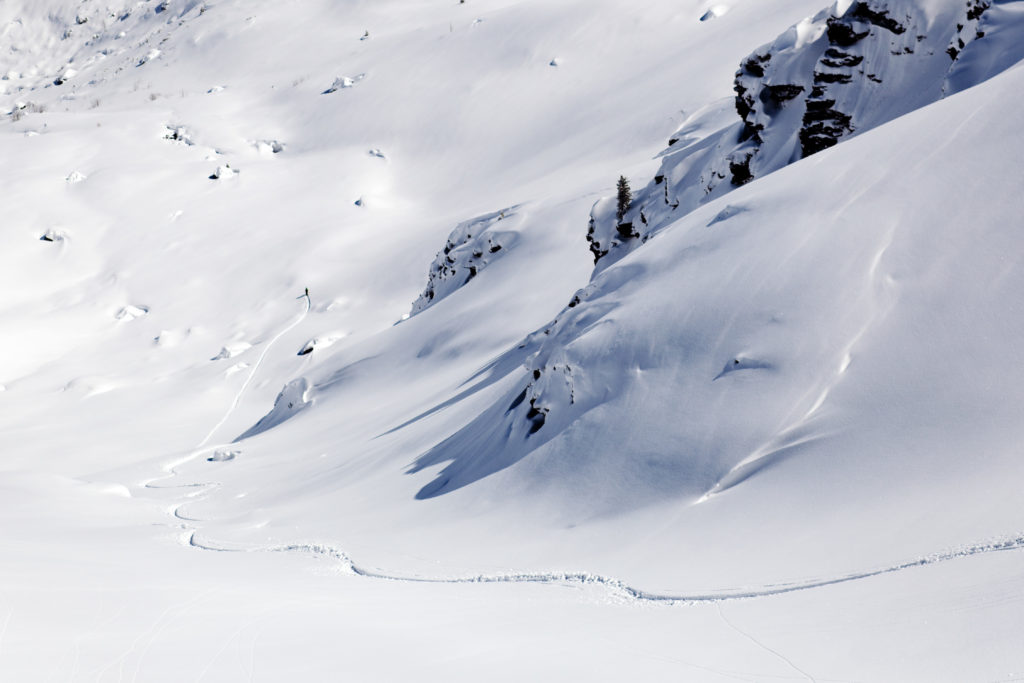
x,y
770,432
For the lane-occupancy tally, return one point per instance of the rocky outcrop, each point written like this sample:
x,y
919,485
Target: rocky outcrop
x,y
292,400
846,70
987,41
850,68
471,247
842,65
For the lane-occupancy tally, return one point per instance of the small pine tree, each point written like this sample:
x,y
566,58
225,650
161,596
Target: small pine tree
x,y
625,198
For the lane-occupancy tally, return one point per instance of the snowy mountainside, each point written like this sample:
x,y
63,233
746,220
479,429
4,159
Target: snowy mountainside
x,y
784,397
734,378
846,70
684,376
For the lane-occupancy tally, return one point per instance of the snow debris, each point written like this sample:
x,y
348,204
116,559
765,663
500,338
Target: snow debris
x,y
223,172
269,147
343,83
148,57
131,312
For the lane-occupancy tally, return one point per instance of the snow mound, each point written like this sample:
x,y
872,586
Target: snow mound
x,y
178,134
344,82
223,455
714,12
223,172
233,349
268,147
131,312
321,342
53,235
292,400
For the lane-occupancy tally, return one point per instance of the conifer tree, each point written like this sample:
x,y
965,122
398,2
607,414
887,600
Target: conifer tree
x,y
625,198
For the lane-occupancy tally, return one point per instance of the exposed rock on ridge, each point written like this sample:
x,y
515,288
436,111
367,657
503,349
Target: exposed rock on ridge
x,y
846,70
472,246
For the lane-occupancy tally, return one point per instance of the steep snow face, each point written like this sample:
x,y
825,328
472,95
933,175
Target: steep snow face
x,y
813,340
841,72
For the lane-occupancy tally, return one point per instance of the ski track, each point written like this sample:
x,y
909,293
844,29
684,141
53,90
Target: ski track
x,y
617,586
775,653
252,374
170,470
612,585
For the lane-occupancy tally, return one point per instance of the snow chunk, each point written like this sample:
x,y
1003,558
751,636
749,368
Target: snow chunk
x,y
223,455
344,82
321,342
131,312
75,177
64,76
233,349
714,12
269,147
148,57
171,338
53,235
223,172
293,399
178,134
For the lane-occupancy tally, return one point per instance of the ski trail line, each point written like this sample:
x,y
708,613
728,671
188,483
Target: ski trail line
x,y
619,587
170,469
252,374
778,655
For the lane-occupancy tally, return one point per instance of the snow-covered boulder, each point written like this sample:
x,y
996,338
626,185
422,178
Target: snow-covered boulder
x,y
343,82
293,399
472,246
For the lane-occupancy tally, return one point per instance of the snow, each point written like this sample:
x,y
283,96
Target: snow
x,y
775,435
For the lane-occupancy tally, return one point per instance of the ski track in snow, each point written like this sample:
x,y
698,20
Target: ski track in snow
x,y
170,470
615,586
612,585
775,653
252,374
